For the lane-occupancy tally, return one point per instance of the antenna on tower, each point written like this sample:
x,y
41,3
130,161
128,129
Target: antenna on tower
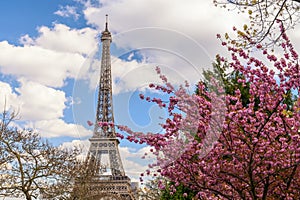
x,y
106,23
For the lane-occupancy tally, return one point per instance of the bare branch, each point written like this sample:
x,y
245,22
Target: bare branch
x,y
31,167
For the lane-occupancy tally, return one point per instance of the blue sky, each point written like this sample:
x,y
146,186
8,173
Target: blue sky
x,y
23,17
49,60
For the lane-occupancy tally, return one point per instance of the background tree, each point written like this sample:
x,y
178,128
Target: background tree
x,y
31,167
263,15
87,172
149,191
234,80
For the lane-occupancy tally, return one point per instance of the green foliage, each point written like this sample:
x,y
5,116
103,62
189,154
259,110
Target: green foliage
x,y
179,194
229,80
289,100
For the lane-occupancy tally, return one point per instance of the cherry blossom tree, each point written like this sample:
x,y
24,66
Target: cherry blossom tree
x,y
223,147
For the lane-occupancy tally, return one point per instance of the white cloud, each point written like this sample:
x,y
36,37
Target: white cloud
x,y
67,11
199,19
126,75
179,36
33,101
135,75
8,99
56,54
38,64
132,161
38,102
64,39
83,144
176,35
58,127
26,40
294,35
41,107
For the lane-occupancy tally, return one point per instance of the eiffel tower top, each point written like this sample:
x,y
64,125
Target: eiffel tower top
x,y
106,34
105,118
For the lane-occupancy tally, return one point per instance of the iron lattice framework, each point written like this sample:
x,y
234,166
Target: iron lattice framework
x,y
99,186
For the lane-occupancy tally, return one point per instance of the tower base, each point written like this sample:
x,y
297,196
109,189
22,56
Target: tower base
x,y
104,187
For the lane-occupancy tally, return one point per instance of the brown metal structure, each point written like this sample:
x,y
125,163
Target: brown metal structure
x,y
98,184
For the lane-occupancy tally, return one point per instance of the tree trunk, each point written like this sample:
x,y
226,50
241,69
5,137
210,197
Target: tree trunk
x,y
27,195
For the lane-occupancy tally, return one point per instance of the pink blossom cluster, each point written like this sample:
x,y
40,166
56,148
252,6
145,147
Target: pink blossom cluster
x,y
103,124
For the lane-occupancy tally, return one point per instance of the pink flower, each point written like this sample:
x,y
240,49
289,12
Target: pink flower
x,y
158,70
90,123
151,85
258,46
265,51
103,123
142,96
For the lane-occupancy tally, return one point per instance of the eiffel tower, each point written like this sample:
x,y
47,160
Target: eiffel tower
x,y
100,185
